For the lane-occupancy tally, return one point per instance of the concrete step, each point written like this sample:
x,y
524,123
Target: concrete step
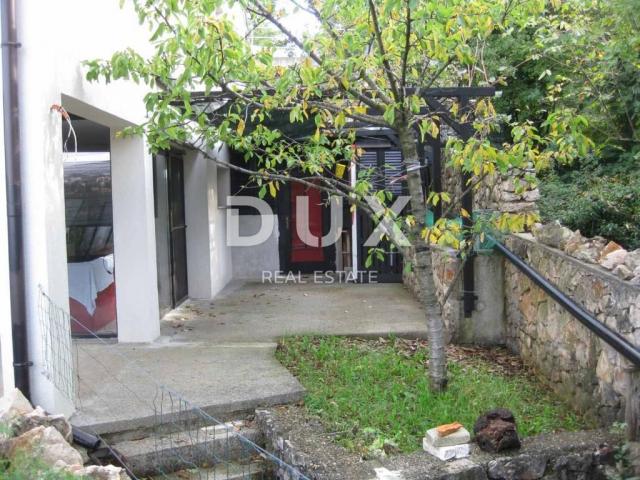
x,y
208,446
185,420
230,471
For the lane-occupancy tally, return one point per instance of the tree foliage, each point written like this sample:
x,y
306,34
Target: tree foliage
x,y
589,68
581,58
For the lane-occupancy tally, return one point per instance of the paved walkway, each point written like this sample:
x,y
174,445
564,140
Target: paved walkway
x,y
220,354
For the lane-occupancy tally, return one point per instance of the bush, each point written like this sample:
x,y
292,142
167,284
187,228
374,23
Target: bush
x,y
596,198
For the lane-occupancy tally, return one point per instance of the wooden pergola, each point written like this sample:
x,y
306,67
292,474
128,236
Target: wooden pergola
x,y
220,102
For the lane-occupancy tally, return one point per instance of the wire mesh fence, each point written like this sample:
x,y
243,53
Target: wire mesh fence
x,y
170,437
58,360
188,440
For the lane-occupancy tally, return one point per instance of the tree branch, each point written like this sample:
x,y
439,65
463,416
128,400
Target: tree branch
x,y
263,12
407,47
383,53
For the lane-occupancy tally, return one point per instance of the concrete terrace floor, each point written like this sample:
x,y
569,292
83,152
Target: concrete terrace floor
x,y
219,354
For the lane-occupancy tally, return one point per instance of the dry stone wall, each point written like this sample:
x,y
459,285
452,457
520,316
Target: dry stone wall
x,y
446,265
578,365
302,442
498,192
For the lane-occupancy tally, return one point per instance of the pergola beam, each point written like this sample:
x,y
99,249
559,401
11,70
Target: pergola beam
x,y
439,92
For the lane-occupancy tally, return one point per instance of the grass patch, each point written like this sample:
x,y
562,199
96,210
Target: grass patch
x,y
372,393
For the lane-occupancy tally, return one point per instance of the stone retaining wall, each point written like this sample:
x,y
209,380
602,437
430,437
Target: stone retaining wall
x,y
303,443
446,265
579,366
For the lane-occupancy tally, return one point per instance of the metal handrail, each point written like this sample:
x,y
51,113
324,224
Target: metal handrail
x,y
611,337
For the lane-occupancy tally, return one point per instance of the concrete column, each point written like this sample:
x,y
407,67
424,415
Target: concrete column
x,y
486,326
196,182
134,240
221,260
208,256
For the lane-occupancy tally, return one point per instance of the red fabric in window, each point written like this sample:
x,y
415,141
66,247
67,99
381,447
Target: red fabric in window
x,y
104,315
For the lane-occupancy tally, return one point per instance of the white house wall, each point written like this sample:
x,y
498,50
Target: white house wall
x,y
250,262
208,256
6,345
56,37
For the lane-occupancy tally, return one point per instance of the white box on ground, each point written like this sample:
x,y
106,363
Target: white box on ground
x,y
456,438
446,453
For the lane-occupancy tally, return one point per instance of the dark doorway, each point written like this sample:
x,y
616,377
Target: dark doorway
x,y
177,228
171,229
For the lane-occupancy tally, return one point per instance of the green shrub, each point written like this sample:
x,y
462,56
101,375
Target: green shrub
x,y
27,467
596,198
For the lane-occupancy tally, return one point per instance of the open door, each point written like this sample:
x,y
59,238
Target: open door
x,y
89,226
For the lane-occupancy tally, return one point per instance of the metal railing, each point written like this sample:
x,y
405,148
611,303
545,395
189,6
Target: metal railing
x,y
611,337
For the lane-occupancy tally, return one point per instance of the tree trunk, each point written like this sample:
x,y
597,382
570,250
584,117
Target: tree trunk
x,y
423,262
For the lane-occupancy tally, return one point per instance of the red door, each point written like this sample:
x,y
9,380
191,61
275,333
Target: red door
x,y
300,251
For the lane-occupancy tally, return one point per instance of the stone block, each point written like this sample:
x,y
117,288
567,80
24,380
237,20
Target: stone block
x,y
48,445
575,466
39,417
553,234
632,260
613,259
574,242
609,248
590,250
99,472
446,453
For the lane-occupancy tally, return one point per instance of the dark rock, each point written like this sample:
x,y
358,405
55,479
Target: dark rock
x,y
462,469
496,431
575,466
501,413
